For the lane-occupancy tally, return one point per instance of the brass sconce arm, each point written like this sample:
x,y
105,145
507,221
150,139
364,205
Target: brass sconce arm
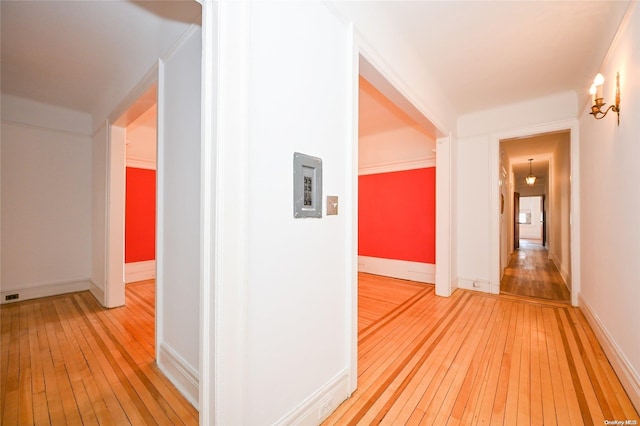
x,y
598,103
596,110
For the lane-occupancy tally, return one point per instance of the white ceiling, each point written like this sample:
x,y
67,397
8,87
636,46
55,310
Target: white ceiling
x,y
73,53
482,53
485,54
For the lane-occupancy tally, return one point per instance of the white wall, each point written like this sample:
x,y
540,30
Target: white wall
x,y
477,179
178,239
141,140
472,181
610,240
297,280
98,212
561,106
559,206
46,199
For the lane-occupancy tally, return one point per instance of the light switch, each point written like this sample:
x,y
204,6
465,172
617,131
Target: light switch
x,y
332,205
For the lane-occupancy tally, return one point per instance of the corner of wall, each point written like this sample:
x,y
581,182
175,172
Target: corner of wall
x,y
184,377
629,378
562,268
46,290
97,292
482,286
317,407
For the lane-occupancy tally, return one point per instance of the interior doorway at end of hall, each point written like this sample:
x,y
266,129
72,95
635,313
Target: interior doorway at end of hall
x,y
530,221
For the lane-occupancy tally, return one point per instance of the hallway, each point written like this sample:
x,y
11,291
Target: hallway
x,y
531,273
475,358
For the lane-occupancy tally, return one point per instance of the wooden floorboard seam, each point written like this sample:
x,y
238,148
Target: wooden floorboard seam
x,y
480,359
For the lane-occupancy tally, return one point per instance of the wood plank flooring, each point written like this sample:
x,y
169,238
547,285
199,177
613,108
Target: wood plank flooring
x,y
531,273
66,360
475,358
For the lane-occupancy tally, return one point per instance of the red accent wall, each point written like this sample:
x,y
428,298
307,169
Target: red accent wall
x,y
140,215
397,215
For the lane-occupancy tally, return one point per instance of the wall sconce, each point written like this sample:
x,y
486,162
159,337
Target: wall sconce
x,y
530,179
598,100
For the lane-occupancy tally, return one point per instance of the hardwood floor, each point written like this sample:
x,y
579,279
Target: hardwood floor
x,y
475,358
531,273
67,360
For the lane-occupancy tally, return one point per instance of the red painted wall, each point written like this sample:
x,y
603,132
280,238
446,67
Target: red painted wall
x,y
140,215
397,215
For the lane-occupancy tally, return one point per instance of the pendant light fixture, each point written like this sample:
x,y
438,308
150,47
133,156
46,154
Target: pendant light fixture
x,y
530,179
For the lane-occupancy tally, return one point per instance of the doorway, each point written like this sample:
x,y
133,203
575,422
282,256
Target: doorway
x,y
536,256
396,238
139,102
140,190
437,154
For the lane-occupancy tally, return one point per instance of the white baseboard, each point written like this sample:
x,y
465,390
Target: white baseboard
x,y
139,271
403,269
628,376
478,285
97,292
184,377
564,273
45,290
455,283
320,404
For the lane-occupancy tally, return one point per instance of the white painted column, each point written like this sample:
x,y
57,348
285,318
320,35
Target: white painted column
x,y
224,225
443,217
114,288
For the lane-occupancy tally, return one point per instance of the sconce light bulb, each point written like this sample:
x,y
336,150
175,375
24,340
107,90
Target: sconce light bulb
x,y
592,90
598,80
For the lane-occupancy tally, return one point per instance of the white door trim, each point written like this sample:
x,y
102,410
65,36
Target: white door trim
x,y
225,139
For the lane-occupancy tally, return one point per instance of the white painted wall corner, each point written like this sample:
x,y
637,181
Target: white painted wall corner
x,y
320,404
628,376
45,290
97,292
564,272
183,376
478,285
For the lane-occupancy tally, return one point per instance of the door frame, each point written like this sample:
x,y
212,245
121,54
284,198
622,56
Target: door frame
x,y
572,125
114,285
516,221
